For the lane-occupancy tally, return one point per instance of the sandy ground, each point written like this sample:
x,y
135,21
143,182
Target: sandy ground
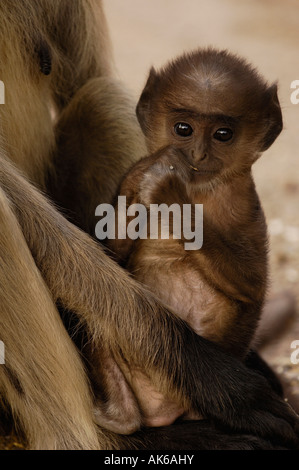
x,y
266,32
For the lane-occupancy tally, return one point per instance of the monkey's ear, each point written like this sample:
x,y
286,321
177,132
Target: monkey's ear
x,y
272,118
143,107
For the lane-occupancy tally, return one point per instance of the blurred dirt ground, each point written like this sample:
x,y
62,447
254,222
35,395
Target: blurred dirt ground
x,y
266,32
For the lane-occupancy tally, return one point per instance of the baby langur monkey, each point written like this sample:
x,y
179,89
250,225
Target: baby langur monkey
x,y
207,117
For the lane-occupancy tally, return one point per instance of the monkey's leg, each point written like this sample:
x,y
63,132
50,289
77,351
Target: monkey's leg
x,y
136,328
278,313
254,361
198,435
42,379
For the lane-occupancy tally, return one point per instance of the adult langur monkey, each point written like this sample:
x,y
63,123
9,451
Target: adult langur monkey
x,y
62,101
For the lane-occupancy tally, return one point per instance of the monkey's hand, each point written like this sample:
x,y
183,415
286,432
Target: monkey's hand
x,y
165,178
157,179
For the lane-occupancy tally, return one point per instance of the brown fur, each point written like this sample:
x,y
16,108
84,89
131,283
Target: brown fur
x,y
46,260
219,289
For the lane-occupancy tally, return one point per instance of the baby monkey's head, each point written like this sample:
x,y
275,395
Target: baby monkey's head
x,y
215,108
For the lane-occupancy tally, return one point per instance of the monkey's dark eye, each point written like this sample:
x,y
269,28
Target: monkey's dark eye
x,y
223,135
183,129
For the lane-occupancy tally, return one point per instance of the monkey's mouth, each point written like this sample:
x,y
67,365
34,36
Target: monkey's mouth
x,y
200,176
203,172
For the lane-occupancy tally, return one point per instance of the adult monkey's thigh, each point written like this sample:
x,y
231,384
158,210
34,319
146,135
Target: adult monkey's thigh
x,y
42,379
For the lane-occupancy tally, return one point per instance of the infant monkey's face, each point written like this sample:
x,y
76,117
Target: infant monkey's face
x,y
207,142
213,144
214,108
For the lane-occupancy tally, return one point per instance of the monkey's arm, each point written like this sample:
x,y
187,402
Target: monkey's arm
x,y
134,187
129,187
136,328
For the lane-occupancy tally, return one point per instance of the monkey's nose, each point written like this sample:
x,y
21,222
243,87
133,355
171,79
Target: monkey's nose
x,y
198,157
